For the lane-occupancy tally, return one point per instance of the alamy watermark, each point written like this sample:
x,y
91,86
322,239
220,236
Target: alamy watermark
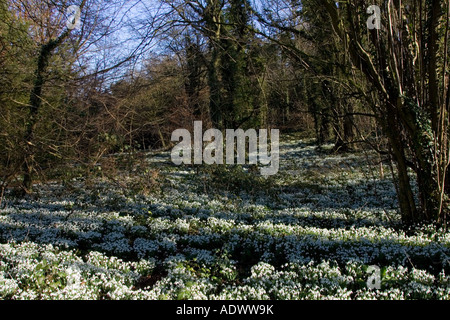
x,y
374,20
374,280
213,153
74,19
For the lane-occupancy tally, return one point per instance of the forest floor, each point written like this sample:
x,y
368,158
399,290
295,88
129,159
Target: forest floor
x,y
325,227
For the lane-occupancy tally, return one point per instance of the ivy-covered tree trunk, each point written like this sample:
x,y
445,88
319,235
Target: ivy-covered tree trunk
x,y
35,103
406,198
406,62
213,21
34,108
423,145
193,80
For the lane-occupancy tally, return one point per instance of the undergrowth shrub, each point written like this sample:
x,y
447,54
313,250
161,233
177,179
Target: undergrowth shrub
x,y
235,179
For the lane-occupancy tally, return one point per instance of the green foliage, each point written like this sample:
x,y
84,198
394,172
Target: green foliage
x,y
222,271
16,56
235,179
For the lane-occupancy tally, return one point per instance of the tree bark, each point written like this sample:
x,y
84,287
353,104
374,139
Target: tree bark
x,y
35,104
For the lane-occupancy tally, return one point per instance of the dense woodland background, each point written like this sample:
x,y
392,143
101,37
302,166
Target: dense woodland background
x,y
137,70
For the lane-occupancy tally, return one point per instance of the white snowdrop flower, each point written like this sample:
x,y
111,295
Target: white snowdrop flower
x,y
315,232
261,270
7,286
25,295
182,225
73,277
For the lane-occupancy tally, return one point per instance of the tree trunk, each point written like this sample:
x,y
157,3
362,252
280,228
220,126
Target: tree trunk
x,y
35,106
349,133
324,129
215,101
405,194
212,16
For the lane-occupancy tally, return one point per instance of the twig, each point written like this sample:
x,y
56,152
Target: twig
x,y
2,194
409,259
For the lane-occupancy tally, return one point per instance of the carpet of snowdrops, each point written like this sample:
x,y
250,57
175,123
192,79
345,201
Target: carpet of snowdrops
x,y
310,232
